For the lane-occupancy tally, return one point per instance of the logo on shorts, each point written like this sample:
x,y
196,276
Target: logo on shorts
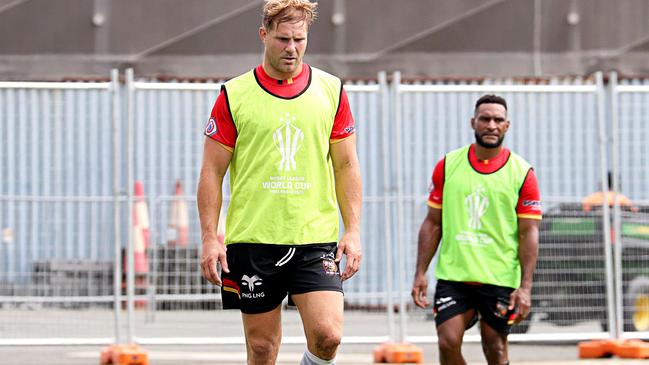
x,y
288,140
251,281
477,202
210,128
329,265
501,310
443,303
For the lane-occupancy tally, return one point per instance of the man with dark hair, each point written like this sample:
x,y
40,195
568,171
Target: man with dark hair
x,y
286,131
485,209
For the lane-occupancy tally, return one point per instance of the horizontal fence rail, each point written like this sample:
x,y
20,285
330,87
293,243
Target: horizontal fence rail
x,y
55,85
445,88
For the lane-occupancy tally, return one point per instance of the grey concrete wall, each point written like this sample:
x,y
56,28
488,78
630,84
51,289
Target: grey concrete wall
x,y
214,38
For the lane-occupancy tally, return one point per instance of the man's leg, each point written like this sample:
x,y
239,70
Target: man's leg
x,y
496,321
449,337
263,336
494,345
322,318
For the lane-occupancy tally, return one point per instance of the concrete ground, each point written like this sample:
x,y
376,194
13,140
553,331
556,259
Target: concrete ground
x,y
556,354
216,337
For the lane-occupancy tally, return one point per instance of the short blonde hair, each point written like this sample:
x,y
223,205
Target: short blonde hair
x,y
281,11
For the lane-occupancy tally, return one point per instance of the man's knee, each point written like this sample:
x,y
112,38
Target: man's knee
x,y
451,332
263,348
326,343
495,349
449,344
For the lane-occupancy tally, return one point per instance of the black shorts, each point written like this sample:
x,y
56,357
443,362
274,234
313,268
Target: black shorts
x,y
261,275
489,301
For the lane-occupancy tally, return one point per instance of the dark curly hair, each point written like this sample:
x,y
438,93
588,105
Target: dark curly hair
x,y
490,99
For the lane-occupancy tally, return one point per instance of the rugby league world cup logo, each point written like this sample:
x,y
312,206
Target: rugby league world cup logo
x,y
477,203
288,140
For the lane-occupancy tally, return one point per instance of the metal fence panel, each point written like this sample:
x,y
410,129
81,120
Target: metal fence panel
x,y
630,174
51,146
555,128
368,288
51,279
57,210
58,201
634,238
632,111
570,279
169,119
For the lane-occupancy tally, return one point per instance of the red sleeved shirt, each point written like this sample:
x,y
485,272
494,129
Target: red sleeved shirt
x,y
221,128
529,199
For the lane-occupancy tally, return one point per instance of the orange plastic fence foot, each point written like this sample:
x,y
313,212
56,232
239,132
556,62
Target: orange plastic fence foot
x,y
106,356
398,353
596,349
378,353
124,355
632,349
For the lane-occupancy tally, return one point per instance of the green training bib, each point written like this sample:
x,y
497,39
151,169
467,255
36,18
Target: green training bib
x,y
281,175
479,221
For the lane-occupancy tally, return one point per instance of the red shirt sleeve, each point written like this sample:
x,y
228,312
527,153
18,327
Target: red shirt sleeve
x,y
344,125
529,200
221,127
437,186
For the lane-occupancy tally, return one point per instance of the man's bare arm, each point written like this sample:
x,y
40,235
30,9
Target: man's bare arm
x,y
349,194
430,234
209,199
528,249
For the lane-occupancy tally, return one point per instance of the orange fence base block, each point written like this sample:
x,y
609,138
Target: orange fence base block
x,y
596,349
632,349
124,355
626,349
398,353
378,354
106,356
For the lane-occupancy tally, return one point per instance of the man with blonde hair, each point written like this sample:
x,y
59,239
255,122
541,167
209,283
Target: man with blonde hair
x,y
286,132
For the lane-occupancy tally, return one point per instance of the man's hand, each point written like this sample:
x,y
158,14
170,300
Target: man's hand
x,y
350,246
419,289
520,300
213,254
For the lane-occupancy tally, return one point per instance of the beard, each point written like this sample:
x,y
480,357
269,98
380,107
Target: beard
x,y
486,144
